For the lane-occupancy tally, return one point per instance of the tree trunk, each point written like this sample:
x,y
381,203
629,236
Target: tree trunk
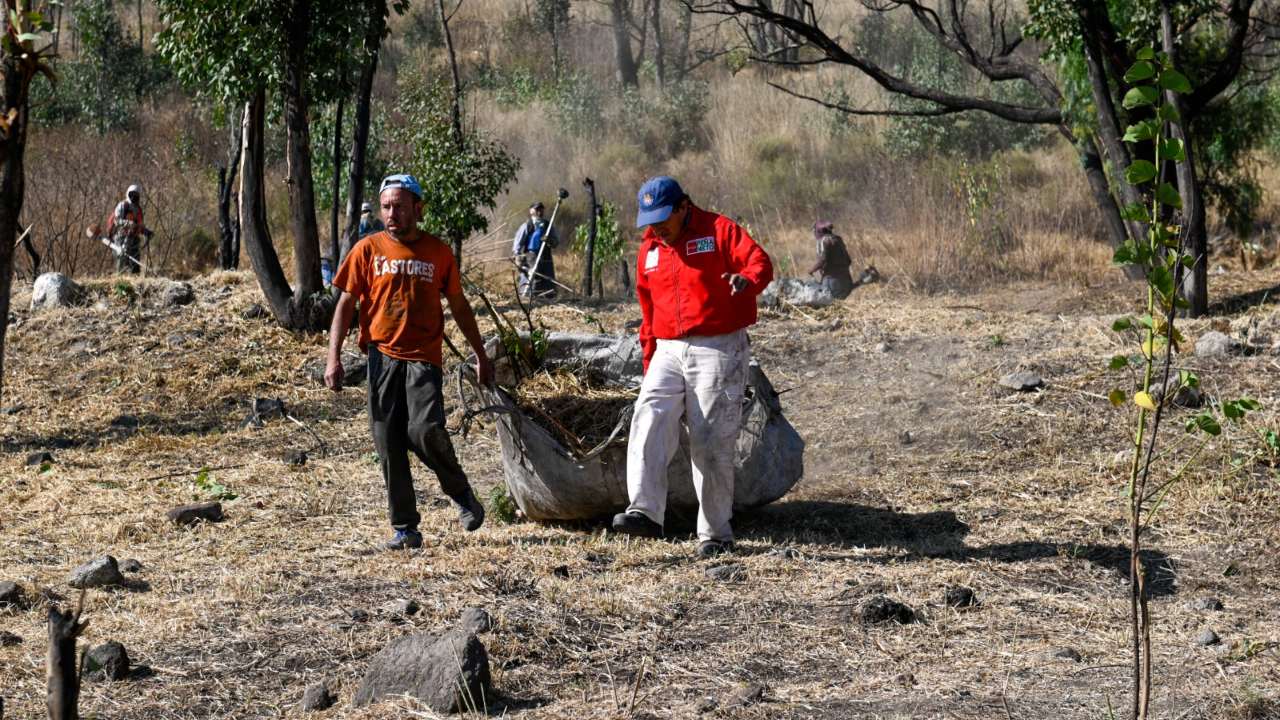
x,y
229,226
1195,284
553,29
456,105
360,140
686,33
334,249
63,697
302,200
624,277
593,212
13,145
619,12
253,216
659,47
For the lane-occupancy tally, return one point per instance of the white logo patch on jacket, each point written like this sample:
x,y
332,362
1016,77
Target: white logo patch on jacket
x,y
651,260
701,245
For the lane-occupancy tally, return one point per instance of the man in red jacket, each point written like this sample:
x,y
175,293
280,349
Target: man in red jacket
x,y
697,280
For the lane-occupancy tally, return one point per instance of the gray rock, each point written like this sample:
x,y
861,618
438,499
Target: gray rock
x,y
706,705
196,512
403,607
10,594
475,620
264,409
448,672
177,293
1022,381
881,347
131,566
786,553
295,458
1215,344
255,312
881,609
1205,603
39,458
317,697
747,694
1058,653
54,290
731,572
108,661
804,293
7,639
1207,637
1187,397
101,572
959,596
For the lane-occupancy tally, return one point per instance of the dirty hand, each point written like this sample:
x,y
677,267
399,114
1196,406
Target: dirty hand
x,y
333,373
737,283
484,370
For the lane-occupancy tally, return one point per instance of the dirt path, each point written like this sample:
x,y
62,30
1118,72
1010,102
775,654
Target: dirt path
x,y
921,474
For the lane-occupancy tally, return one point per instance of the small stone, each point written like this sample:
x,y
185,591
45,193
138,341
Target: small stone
x,y
1022,381
1215,344
255,312
196,512
177,293
8,639
263,409
959,596
747,694
403,607
101,572
10,594
1058,653
131,565
39,458
905,437
560,571
295,458
881,347
107,661
881,609
1207,637
475,621
448,672
706,705
316,698
1206,603
731,572
786,553
357,615
125,422
13,409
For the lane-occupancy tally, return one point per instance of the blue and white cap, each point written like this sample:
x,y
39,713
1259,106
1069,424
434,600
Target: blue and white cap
x,y
408,182
656,199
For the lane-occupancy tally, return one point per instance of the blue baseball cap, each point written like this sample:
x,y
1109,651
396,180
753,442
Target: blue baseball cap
x,y
408,182
657,198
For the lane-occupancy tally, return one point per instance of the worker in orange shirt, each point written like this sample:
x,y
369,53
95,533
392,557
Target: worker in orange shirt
x,y
399,277
697,280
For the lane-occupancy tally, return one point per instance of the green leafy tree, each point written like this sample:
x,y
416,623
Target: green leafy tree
x,y
459,180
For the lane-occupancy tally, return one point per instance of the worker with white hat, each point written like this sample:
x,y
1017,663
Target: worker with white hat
x,y
126,230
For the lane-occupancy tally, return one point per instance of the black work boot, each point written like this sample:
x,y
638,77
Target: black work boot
x,y
470,511
636,523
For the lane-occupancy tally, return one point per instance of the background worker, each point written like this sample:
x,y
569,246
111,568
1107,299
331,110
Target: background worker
x,y
399,277
529,240
833,262
697,280
126,231
369,222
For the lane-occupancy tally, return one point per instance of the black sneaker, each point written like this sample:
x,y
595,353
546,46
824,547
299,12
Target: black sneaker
x,y
470,512
636,523
405,540
712,548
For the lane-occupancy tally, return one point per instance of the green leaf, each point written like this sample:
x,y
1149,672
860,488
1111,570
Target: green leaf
x,y
1188,379
1206,423
1136,212
1174,81
1139,172
1169,114
1172,149
1126,254
1249,404
1116,397
1122,324
1118,362
1162,280
1232,410
1145,130
1167,194
1140,96
1146,54
1145,321
1141,70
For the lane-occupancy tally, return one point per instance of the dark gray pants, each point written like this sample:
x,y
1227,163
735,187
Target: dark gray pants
x,y
406,412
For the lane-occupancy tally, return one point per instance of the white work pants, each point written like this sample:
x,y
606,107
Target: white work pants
x,y
699,379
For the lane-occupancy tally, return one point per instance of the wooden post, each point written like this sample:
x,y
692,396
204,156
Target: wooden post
x,y
63,674
593,211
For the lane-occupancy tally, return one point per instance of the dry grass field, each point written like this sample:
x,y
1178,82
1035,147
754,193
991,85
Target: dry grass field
x,y
921,474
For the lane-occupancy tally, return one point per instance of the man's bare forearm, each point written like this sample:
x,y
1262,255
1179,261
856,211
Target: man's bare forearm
x,y
342,315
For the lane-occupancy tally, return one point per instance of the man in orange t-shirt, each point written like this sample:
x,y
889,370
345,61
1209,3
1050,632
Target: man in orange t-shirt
x,y
399,276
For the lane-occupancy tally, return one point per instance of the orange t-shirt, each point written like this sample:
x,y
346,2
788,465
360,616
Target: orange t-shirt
x,y
399,288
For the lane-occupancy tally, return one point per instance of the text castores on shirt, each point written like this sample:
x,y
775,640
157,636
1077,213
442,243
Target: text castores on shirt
x,y
383,265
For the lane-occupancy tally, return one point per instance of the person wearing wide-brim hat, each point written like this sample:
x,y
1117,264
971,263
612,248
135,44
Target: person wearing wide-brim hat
x,y
399,277
697,280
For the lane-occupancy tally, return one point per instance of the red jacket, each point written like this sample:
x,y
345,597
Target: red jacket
x,y
681,287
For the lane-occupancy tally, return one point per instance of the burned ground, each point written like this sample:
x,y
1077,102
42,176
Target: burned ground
x,y
922,474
